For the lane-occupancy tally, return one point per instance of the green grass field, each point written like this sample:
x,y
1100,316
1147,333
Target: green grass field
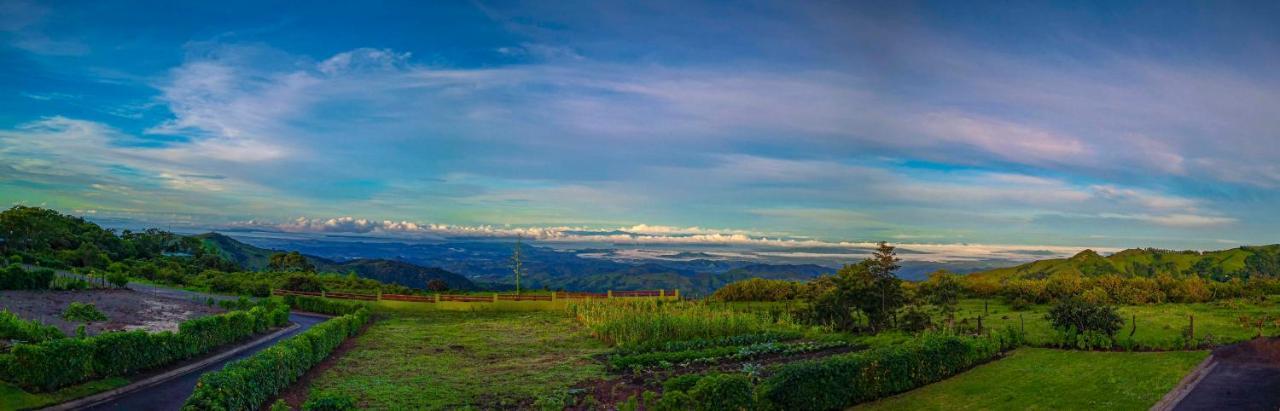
x,y
1159,325
452,359
14,398
1045,379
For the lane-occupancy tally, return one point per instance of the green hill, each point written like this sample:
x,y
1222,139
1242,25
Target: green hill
x,y
388,271
1241,262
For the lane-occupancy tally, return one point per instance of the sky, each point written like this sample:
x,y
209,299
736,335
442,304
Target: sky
x,y
992,126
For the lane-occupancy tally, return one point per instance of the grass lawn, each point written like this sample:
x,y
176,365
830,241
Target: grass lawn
x,y
455,359
14,398
1159,325
1045,379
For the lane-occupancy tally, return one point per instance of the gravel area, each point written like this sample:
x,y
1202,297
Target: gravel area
x,y
125,309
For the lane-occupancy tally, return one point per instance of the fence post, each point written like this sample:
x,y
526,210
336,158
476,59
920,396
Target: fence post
x,y
323,294
662,293
437,297
676,293
495,297
553,296
609,294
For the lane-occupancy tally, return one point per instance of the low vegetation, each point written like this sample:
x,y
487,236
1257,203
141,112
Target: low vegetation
x,y
249,383
61,362
1046,379
17,329
625,323
83,312
449,360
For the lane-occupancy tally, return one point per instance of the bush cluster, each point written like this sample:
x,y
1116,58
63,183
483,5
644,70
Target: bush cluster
x,y
1114,289
761,289
14,277
707,392
61,362
14,328
323,305
842,381
249,383
83,312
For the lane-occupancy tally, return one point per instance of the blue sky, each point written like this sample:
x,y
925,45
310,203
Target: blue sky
x,y
1109,124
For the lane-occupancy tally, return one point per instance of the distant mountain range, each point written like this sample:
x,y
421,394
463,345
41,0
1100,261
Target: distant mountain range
x,y
487,263
1241,262
384,270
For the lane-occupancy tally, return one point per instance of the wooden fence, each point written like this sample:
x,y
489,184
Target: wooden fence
x,y
479,298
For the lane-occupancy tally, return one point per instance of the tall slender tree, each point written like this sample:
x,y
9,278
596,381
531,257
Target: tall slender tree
x,y
517,264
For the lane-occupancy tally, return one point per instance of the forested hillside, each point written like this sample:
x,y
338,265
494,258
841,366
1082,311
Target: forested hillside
x,y
1223,265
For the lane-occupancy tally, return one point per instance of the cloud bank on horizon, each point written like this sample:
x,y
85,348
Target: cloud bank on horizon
x,y
1120,125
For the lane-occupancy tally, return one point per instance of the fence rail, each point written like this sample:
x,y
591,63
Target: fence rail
x,y
569,295
475,298
410,298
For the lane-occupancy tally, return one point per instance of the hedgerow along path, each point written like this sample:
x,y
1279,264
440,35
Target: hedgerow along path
x,y
170,395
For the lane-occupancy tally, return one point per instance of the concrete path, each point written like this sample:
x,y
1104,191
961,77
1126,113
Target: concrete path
x,y
1244,376
170,395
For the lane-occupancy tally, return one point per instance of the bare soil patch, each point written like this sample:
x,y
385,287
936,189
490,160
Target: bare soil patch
x,y
125,309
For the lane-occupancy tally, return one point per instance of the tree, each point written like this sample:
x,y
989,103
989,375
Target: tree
x,y
290,262
887,288
868,287
437,285
517,264
942,290
303,282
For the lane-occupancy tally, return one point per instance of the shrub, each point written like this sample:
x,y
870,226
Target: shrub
x,y
14,277
280,405
83,312
322,305
707,392
329,401
1082,316
250,382
760,289
728,392
118,279
68,283
57,363
841,381
14,328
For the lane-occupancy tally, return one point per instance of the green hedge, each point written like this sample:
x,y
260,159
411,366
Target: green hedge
x,y
14,328
249,383
842,381
58,363
14,277
706,392
323,305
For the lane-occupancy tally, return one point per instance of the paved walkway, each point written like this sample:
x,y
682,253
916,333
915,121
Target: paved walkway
x,y
1246,377
170,395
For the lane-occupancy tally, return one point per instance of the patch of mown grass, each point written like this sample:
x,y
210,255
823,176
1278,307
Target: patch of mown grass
x,y
457,359
1046,379
1160,326
14,398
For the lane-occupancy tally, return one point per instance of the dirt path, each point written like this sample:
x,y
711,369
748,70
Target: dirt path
x,y
1246,377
